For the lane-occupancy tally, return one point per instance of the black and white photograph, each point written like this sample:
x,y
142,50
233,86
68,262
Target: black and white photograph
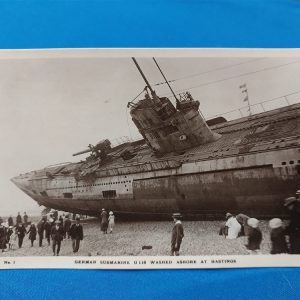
x,y
136,157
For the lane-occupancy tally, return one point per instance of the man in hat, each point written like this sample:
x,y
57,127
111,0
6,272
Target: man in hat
x,y
104,221
57,235
3,237
47,227
18,219
292,204
177,234
21,231
67,226
76,232
40,230
10,221
25,219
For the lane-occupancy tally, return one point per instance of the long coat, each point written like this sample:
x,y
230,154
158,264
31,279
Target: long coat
x,y
20,231
293,229
3,237
10,221
76,232
47,227
67,225
254,239
57,234
19,219
104,220
41,227
279,244
177,234
32,233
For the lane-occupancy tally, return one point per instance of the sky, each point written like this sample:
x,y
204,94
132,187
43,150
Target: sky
x,y
54,107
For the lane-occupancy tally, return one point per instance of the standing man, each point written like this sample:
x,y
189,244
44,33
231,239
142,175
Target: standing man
x,y
67,226
57,235
292,204
61,221
47,227
177,234
21,231
76,232
3,237
104,221
18,219
25,218
40,230
10,221
55,215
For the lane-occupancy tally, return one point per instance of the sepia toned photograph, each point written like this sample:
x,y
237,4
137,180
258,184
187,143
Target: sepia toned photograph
x,y
180,158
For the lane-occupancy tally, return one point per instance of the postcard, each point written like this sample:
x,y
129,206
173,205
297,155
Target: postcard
x,y
149,158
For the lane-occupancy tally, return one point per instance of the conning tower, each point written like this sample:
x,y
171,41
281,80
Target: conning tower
x,y
166,128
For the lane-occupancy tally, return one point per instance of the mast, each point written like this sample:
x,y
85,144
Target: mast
x,y
167,82
154,96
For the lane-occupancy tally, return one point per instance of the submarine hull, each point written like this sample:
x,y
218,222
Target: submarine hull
x,y
254,190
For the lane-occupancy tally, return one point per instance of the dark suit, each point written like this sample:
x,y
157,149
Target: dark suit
x,y
47,227
18,219
177,235
20,230
3,237
254,239
40,229
293,229
67,226
76,232
32,234
104,221
57,235
10,221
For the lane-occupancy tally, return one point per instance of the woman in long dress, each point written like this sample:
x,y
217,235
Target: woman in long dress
x,y
111,221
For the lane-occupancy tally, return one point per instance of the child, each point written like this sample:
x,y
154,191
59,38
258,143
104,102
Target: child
x,y
254,236
279,244
12,239
111,221
32,233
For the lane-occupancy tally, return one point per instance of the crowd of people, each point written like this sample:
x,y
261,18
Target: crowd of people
x,y
52,228
283,239
57,228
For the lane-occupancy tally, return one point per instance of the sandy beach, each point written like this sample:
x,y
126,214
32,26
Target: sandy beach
x,y
201,238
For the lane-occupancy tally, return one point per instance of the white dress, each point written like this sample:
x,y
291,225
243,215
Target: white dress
x,y
111,222
234,228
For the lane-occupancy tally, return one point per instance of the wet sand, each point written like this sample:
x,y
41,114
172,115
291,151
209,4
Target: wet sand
x,y
201,238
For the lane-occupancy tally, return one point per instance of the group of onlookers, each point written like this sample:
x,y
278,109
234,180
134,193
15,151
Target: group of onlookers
x,y
57,229
283,240
10,234
54,227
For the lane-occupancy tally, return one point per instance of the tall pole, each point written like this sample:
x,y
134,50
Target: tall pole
x,y
155,98
143,75
167,82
